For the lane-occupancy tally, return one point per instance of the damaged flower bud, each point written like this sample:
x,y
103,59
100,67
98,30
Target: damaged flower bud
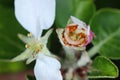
x,y
76,34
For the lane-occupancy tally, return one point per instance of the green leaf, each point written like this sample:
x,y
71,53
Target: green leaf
x,y
7,3
63,12
103,68
106,26
84,9
10,45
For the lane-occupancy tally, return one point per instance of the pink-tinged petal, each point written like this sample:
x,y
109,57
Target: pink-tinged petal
x,y
90,37
47,68
35,15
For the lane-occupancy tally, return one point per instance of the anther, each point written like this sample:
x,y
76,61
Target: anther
x,y
29,34
41,46
37,51
27,46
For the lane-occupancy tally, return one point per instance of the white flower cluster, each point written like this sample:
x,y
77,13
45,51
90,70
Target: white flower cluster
x,y
37,15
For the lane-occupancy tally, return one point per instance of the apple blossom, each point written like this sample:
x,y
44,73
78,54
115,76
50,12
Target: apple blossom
x,y
35,16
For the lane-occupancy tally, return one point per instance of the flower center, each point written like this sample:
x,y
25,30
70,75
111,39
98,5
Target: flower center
x,y
35,45
74,35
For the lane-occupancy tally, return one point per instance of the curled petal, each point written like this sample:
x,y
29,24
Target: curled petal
x,y
79,22
47,68
90,37
35,15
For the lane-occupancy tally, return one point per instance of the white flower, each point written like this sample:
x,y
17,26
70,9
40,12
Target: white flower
x,y
34,16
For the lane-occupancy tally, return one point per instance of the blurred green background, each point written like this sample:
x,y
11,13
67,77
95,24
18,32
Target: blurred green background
x,y
11,45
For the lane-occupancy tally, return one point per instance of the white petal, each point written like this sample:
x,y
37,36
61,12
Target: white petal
x,y
79,22
35,15
47,68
